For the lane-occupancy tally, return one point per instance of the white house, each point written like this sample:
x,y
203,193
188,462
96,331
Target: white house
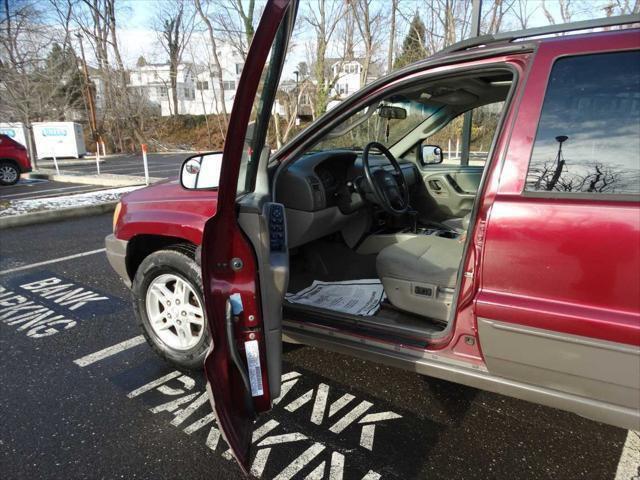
x,y
154,82
348,77
198,85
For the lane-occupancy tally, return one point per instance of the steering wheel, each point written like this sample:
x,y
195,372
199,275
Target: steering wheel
x,y
390,190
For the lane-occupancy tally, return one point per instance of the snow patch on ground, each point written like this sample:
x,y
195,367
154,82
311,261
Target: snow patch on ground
x,y
20,207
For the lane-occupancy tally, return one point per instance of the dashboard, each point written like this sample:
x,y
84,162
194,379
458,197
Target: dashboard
x,y
322,180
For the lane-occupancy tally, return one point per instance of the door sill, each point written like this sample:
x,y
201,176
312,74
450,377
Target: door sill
x,y
388,325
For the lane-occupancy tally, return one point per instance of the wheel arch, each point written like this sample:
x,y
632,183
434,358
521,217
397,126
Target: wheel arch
x,y
141,246
13,162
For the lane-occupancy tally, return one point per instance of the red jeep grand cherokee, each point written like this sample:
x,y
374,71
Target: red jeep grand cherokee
x,y
514,270
14,160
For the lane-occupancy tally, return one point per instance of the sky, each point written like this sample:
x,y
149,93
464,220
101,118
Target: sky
x,y
137,36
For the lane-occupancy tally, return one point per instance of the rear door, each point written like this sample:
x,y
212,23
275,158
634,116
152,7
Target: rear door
x,y
559,305
239,257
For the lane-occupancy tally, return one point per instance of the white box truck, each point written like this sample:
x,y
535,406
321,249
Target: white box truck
x,y
59,139
16,131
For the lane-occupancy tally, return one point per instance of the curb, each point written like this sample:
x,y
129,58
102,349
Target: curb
x,y
110,181
55,215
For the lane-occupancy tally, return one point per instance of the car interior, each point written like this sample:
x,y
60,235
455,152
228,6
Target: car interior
x,y
383,195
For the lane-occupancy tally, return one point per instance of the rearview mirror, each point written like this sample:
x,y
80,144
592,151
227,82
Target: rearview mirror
x,y
387,111
431,155
201,171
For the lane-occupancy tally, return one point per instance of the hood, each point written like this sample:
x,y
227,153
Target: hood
x,y
167,191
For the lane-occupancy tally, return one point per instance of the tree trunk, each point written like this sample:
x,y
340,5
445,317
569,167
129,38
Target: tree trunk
x,y
173,83
216,60
392,35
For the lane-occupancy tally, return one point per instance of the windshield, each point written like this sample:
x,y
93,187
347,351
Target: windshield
x,y
386,122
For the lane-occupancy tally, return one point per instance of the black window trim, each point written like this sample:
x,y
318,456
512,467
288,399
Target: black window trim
x,y
556,195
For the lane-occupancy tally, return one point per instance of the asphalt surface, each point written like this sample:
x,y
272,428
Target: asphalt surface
x,y
162,165
28,188
63,420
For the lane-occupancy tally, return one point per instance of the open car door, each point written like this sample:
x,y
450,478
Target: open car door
x,y
244,250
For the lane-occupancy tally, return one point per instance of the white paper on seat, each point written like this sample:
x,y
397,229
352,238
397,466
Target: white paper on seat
x,y
355,297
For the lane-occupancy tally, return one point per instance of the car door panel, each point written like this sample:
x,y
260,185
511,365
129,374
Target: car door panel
x,y
601,370
559,304
539,319
264,223
451,188
235,262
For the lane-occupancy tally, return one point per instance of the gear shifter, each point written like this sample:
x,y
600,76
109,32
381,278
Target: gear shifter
x,y
414,220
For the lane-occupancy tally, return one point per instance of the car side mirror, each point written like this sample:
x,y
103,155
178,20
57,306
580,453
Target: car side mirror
x,y
431,154
201,171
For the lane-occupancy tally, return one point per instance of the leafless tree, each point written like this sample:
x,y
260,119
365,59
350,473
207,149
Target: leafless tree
x,y
496,14
566,11
217,72
38,77
523,12
368,19
174,23
236,20
589,177
392,34
122,112
323,16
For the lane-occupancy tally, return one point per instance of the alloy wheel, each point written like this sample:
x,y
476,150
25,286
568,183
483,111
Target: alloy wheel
x,y
175,312
8,174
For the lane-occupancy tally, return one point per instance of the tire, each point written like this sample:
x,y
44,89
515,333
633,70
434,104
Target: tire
x,y
155,272
9,173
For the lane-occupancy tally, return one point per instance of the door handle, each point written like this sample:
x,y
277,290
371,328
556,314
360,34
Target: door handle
x,y
235,357
435,184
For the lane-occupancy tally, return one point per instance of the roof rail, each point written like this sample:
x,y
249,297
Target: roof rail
x,y
534,32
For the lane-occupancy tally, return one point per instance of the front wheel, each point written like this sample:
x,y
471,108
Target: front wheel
x,y
9,173
169,305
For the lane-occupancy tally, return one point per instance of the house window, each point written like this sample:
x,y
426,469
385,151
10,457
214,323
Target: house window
x,y
351,68
239,68
163,91
155,75
587,140
342,88
229,85
202,85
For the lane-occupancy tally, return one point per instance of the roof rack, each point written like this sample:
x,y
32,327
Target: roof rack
x,y
534,32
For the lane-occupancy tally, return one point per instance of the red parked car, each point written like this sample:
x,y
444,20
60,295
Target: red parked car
x,y
513,269
14,160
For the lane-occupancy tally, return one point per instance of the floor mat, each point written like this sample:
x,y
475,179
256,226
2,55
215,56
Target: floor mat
x,y
355,297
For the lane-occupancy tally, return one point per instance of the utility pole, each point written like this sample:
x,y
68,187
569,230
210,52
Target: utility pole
x,y
89,96
476,15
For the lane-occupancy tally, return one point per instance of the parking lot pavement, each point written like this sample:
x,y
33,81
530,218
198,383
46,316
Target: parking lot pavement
x,y
30,188
162,165
84,397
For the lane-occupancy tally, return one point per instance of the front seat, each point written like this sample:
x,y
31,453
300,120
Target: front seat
x,y
419,275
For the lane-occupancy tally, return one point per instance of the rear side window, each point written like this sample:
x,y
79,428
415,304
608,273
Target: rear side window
x,y
588,138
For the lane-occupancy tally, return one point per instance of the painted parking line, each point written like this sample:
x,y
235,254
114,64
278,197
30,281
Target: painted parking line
x,y
87,189
280,454
629,464
37,192
24,182
109,351
48,262
40,304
